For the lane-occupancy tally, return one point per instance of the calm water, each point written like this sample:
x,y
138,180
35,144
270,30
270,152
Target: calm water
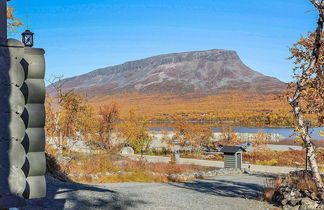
x,y
284,132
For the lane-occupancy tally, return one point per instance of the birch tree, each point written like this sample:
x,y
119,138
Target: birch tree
x,y
308,88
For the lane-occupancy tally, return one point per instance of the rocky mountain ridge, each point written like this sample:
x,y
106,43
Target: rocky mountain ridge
x,y
205,72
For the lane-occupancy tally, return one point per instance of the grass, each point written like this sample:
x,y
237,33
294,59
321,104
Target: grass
x,y
293,158
134,177
120,169
282,158
270,186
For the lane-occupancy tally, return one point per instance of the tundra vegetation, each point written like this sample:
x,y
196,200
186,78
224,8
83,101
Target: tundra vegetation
x,y
111,124
70,116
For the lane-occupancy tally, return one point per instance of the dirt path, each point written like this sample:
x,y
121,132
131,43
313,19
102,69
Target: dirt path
x,y
224,192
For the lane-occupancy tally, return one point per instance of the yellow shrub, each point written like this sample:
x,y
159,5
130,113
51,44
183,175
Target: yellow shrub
x,y
271,162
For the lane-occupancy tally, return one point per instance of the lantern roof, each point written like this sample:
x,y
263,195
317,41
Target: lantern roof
x,y
27,32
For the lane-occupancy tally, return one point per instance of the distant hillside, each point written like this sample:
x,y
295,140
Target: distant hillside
x,y
205,72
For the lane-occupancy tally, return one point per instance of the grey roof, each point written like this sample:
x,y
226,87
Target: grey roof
x,y
231,149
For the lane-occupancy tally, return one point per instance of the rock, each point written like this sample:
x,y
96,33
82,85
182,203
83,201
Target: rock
x,y
173,177
313,196
294,207
298,194
302,207
309,203
63,160
288,189
321,206
306,193
127,151
321,197
286,207
294,202
284,202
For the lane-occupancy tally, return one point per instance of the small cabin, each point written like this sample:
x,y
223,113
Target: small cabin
x,y
232,156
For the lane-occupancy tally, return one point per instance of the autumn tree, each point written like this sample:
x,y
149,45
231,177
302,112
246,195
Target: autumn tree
x,y
167,139
13,22
134,131
228,136
50,125
308,88
261,141
108,114
68,114
194,135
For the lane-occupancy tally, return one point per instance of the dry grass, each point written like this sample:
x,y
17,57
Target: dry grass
x,y
302,181
282,158
120,169
293,158
134,177
270,187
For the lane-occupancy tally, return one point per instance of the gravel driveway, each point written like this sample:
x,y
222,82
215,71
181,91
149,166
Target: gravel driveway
x,y
223,192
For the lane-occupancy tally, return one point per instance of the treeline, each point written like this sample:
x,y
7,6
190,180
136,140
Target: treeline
x,y
234,107
70,116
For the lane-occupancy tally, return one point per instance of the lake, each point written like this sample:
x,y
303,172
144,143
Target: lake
x,y
285,133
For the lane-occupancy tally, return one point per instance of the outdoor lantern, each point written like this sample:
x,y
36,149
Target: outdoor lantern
x,y
28,38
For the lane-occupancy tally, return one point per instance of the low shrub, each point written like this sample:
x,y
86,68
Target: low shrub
x,y
271,162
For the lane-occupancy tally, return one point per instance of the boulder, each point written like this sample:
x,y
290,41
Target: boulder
x,y
127,151
309,203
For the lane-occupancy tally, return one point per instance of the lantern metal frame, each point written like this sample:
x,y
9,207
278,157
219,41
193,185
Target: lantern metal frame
x,y
28,38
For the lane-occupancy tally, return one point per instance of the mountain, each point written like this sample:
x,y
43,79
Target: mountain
x,y
205,72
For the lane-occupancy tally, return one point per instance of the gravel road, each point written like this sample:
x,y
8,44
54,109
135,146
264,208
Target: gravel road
x,y
223,192
219,164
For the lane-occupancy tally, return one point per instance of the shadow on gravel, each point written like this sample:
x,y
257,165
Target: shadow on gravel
x,y
224,188
63,195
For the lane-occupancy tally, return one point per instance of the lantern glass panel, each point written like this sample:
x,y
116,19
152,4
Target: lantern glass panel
x,y
28,38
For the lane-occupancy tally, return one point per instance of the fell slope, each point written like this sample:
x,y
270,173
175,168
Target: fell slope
x,y
203,72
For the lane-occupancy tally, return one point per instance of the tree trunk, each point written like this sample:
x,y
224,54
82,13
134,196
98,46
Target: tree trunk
x,y
294,101
302,128
61,143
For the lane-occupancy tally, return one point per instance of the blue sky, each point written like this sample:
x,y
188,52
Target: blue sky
x,y
80,36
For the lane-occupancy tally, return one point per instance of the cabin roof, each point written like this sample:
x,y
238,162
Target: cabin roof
x,y
232,149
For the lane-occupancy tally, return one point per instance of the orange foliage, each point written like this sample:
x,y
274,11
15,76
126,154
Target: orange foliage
x,y
228,137
135,132
236,108
260,142
12,21
106,122
194,135
312,95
